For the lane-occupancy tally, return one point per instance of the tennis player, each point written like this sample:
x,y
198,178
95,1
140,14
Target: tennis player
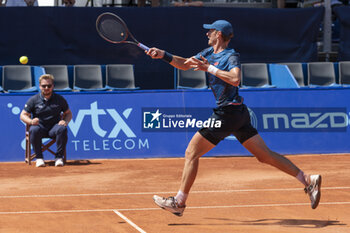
x,y
224,76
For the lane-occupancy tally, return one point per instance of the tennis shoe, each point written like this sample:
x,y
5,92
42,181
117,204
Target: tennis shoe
x,y
170,204
40,163
314,190
59,162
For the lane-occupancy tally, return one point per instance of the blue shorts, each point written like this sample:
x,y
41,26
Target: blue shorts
x,y
234,120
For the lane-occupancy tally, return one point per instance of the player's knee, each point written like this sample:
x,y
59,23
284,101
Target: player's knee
x,y
261,159
264,157
190,155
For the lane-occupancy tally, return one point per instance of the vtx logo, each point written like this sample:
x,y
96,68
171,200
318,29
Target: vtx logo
x,y
95,113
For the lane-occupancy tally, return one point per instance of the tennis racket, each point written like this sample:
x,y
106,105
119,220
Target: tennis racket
x,y
114,30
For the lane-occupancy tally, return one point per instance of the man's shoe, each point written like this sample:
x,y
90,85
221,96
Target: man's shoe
x,y
59,162
170,204
314,190
40,163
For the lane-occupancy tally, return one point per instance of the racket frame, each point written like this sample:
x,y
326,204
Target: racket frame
x,y
128,33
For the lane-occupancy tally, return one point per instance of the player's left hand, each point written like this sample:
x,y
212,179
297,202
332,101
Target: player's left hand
x,y
197,64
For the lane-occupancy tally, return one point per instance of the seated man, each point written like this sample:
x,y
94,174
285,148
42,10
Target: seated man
x,y
48,115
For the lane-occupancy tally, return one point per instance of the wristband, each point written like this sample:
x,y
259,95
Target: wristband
x,y
168,57
212,69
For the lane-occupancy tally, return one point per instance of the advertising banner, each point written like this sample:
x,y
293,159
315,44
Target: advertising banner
x,y
146,124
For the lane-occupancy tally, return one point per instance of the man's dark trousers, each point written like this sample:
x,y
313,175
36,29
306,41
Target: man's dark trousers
x,y
59,132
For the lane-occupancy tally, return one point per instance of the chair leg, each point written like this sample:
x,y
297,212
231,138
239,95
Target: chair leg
x,y
28,153
64,156
28,156
32,156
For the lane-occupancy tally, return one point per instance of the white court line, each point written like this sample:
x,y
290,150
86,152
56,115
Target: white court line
x,y
56,211
129,221
151,193
149,209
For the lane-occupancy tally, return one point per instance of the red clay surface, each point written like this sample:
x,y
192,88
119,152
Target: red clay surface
x,y
231,194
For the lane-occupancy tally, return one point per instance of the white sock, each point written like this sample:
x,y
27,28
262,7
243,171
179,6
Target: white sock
x,y
301,178
181,198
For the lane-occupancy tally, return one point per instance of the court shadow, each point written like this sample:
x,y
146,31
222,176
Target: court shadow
x,y
301,223
298,223
184,224
83,162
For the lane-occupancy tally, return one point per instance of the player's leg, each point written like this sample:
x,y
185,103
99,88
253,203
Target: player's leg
x,y
197,147
258,148
312,183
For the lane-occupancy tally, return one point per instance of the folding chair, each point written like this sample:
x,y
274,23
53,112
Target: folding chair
x,y
255,75
17,79
88,78
321,74
191,79
29,156
344,72
120,77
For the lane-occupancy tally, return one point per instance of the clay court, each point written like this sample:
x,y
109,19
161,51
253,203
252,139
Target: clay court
x,y
231,194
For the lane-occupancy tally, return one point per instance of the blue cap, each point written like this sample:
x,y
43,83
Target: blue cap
x,y
220,25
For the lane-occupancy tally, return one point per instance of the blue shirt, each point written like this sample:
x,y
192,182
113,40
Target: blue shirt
x,y
225,93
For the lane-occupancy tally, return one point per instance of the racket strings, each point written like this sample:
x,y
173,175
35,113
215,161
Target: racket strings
x,y
112,29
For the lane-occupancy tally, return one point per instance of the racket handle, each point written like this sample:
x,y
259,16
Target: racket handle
x,y
142,46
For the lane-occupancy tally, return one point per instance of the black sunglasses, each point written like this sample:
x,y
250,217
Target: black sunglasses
x,y
46,86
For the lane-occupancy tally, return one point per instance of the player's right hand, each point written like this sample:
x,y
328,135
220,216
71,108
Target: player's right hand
x,y
155,53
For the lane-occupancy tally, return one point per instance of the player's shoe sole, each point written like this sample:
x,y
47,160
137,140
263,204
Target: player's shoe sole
x,y
169,204
314,190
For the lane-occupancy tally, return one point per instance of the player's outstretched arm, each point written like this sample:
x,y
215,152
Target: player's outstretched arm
x,y
176,61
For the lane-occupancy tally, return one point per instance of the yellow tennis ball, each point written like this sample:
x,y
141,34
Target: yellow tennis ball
x,y
23,60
